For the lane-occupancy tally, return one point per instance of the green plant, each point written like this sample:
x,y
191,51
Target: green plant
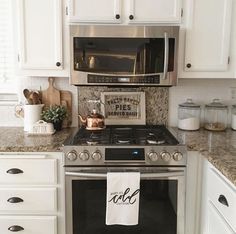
x,y
54,114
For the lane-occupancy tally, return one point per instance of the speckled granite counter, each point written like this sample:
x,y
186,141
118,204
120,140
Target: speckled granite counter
x,y
218,147
16,140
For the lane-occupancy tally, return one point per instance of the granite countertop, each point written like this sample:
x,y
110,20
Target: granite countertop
x,y
14,139
218,147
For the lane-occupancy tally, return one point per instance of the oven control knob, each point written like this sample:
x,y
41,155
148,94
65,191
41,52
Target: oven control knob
x,y
72,155
165,156
84,156
153,156
177,156
96,156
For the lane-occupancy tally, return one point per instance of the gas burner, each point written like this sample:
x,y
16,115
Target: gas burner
x,y
123,141
155,142
92,142
152,139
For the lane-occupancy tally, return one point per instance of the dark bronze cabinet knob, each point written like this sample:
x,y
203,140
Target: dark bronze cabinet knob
x,y
117,16
188,65
131,17
58,64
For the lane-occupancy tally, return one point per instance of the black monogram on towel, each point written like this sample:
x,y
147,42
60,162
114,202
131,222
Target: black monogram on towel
x,y
124,196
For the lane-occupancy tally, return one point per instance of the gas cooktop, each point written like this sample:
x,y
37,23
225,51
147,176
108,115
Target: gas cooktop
x,y
125,135
116,144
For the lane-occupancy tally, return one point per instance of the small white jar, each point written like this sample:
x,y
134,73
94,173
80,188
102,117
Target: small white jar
x,y
189,115
233,117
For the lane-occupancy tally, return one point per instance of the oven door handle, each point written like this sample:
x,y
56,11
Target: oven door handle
x,y
142,175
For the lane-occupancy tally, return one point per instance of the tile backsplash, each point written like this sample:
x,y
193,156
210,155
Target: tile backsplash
x,y
156,101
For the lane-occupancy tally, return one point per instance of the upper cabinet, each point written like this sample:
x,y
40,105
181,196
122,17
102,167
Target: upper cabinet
x,y
40,37
154,11
93,11
125,11
205,39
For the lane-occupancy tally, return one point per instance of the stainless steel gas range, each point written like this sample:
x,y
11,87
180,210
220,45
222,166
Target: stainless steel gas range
x,y
151,150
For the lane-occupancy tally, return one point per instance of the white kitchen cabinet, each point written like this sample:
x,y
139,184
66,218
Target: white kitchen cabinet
x,y
125,11
39,29
32,193
218,202
205,39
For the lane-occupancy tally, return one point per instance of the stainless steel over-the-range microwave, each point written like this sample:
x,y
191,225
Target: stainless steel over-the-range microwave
x,y
124,55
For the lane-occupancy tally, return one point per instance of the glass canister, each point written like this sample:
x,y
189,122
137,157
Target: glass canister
x,y
216,116
233,117
189,115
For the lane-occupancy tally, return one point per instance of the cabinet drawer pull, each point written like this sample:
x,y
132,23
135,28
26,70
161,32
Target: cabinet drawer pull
x,y
15,200
222,199
58,64
15,228
14,171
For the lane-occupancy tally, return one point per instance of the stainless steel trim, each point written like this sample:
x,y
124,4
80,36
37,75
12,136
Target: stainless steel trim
x,y
166,55
118,31
142,175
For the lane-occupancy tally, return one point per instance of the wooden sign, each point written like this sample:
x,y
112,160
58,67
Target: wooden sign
x,y
125,108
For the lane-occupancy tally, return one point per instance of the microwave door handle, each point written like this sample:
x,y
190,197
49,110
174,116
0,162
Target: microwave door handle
x,y
142,175
166,55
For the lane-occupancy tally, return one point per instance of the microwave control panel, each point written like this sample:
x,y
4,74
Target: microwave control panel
x,y
154,79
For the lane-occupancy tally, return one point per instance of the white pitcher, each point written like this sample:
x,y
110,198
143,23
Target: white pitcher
x,y
30,113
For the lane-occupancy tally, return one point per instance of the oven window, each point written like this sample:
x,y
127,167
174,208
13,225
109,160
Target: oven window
x,y
157,211
127,56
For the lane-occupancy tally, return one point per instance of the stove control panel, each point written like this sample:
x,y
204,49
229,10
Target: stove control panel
x,y
100,156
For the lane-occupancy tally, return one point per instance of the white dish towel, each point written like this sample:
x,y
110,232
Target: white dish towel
x,y
122,198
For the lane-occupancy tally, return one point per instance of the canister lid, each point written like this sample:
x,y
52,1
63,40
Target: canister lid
x,y
189,104
216,104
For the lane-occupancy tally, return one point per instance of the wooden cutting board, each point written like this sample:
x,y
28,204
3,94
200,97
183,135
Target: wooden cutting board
x,y
66,100
51,96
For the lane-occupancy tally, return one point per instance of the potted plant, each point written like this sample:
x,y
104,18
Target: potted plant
x,y
55,114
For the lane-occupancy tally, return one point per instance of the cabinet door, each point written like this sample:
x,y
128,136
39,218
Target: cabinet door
x,y
94,11
216,223
40,34
208,36
154,11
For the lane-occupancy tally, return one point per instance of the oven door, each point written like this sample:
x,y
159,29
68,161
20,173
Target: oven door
x,y
162,201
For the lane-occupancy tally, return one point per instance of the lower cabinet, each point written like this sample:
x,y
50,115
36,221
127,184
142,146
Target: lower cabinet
x,y
218,202
31,193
